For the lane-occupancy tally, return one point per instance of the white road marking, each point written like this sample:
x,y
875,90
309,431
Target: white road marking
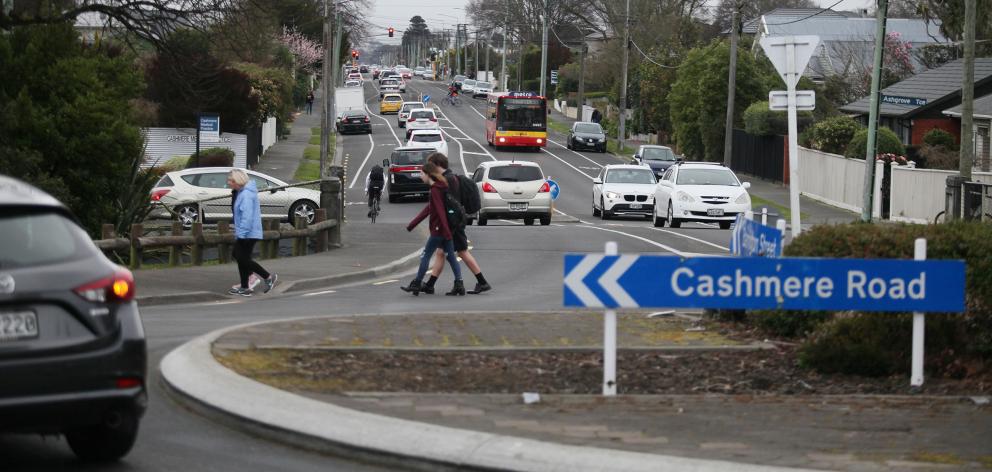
x,y
384,282
314,294
398,142
598,165
475,153
690,237
567,164
358,172
639,238
484,150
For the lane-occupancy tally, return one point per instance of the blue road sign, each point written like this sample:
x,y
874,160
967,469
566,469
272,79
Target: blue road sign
x,y
908,101
753,239
642,281
555,189
427,98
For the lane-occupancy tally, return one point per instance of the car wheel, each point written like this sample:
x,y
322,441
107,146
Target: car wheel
x,y
568,145
604,213
546,220
725,224
595,211
187,215
304,208
104,442
468,221
392,198
402,124
483,221
658,222
529,221
672,220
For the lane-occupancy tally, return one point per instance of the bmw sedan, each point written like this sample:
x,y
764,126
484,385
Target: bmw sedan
x,y
72,346
623,190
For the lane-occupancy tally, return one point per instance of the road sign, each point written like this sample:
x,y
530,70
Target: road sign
x,y
777,48
554,77
555,189
210,128
753,239
779,100
642,281
427,98
908,101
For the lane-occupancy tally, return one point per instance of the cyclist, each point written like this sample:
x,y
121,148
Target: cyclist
x,y
374,183
453,90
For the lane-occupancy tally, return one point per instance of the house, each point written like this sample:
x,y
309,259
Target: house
x,y
916,105
847,40
982,125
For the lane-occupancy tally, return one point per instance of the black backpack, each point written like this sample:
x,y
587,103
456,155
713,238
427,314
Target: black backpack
x,y
468,193
455,211
376,177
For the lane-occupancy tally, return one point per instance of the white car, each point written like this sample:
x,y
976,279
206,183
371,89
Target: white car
x,y
481,89
402,84
428,137
468,87
404,113
623,190
388,86
421,118
513,190
181,189
702,192
352,83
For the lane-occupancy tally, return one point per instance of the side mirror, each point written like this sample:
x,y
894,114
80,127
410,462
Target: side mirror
x,y
635,156
597,181
746,185
385,162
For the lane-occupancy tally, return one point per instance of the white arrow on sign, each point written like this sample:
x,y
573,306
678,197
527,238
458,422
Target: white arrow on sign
x,y
776,48
574,280
609,281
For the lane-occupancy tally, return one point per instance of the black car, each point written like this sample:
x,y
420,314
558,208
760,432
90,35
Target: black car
x,y
403,172
72,346
363,69
354,121
587,135
658,158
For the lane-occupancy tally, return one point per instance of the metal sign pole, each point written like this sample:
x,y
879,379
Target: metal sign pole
x,y
790,57
916,379
610,341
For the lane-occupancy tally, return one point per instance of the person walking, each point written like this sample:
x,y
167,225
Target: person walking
x,y
458,237
247,231
310,99
596,115
441,235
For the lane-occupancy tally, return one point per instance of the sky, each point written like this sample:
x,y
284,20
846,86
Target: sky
x,y
442,14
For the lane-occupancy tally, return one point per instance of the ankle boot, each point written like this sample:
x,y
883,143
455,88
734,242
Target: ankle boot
x,y
459,289
413,288
481,287
428,287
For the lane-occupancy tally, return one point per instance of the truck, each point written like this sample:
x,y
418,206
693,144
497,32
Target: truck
x,y
348,98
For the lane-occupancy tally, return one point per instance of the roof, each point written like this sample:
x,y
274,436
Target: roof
x,y
14,192
508,163
915,31
983,108
785,15
655,146
934,85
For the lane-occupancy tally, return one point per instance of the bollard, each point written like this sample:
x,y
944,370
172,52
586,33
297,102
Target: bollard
x,y
764,216
300,243
321,237
223,249
197,252
330,199
274,244
175,250
107,231
136,254
952,197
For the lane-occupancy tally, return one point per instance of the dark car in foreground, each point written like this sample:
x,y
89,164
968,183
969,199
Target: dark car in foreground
x,y
403,172
354,121
587,135
72,346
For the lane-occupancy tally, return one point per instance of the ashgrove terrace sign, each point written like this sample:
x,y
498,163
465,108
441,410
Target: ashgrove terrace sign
x,y
633,281
909,101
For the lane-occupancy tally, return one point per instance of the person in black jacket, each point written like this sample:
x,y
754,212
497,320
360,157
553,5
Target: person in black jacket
x,y
596,115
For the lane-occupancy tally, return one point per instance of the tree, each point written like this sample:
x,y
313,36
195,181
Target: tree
x,y
750,9
66,123
951,16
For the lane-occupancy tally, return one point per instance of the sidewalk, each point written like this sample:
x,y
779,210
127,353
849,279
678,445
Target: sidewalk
x,y
282,159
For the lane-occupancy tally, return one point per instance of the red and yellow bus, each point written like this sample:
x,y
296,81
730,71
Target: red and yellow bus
x,y
517,119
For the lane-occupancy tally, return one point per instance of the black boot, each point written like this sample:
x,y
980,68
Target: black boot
x,y
413,288
459,289
481,285
428,286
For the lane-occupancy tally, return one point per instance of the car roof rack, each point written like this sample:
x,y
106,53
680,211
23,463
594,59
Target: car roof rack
x,y
678,163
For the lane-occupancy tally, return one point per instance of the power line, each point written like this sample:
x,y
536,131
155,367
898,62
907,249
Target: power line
x,y
807,17
711,48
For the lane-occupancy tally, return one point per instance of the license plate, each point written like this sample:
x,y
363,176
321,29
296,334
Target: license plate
x,y
635,206
715,212
518,207
16,325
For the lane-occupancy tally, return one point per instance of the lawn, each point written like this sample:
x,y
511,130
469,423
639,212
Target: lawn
x,y
308,170
773,208
611,147
559,127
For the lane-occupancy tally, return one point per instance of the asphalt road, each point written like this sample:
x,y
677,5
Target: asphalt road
x,y
523,263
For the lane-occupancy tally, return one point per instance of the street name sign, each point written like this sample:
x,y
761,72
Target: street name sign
x,y
908,101
753,239
658,281
778,100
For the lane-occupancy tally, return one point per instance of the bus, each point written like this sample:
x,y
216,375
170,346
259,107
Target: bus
x,y
517,119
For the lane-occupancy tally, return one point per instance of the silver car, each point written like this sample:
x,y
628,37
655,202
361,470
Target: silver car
x,y
181,189
513,190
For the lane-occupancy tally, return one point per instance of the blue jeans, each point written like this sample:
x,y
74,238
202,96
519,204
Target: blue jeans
x,y
433,243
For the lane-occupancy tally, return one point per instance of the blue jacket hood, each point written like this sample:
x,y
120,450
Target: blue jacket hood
x,y
247,213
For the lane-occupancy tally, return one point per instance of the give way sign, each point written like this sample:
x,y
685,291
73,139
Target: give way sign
x,y
778,48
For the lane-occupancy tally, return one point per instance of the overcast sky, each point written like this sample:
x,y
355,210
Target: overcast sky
x,y
444,14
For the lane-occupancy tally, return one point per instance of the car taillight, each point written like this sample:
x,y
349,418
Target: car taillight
x,y
404,169
127,382
434,120
366,119
158,194
545,188
116,288
488,188
411,120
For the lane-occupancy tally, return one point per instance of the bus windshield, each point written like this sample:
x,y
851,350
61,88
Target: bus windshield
x,y
524,114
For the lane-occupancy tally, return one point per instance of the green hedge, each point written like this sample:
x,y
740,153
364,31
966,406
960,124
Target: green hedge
x,y
886,142
879,343
760,121
938,137
211,157
832,134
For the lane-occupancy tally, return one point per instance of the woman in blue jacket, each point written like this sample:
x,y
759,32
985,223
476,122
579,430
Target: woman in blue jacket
x,y
247,231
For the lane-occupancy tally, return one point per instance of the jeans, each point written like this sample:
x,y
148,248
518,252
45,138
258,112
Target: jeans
x,y
242,254
433,243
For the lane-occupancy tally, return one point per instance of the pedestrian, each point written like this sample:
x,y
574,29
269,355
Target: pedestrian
x,y
247,231
458,237
441,235
596,115
310,102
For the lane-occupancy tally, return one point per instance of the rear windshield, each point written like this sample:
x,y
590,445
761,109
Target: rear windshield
x,y
422,114
515,173
630,176
427,138
591,128
411,158
707,177
34,239
469,82
393,99
658,154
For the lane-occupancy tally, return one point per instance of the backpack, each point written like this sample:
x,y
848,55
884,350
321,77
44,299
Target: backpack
x,y
468,193
376,177
455,211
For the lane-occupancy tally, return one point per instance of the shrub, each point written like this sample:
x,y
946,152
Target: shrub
x,y
886,143
760,121
937,157
212,157
938,137
175,163
833,134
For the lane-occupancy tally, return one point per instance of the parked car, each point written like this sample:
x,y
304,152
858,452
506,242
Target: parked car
x,y
513,190
658,158
391,103
482,89
468,87
421,118
403,172
404,112
180,190
429,137
623,190
697,191
354,121
586,135
73,355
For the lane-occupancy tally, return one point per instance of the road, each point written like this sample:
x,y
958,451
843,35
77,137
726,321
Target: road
x,y
524,264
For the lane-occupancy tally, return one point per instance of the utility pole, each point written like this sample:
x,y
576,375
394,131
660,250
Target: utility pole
x,y
728,138
581,99
465,50
967,156
327,90
520,65
622,127
489,73
876,78
475,62
504,79
544,48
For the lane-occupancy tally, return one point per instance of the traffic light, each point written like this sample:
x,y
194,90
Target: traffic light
x,y
391,31
354,53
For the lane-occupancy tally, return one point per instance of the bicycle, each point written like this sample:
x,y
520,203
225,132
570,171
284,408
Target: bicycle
x,y
374,208
453,100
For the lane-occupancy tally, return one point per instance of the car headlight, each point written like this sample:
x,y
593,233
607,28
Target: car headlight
x,y
650,198
685,197
602,140
612,195
744,198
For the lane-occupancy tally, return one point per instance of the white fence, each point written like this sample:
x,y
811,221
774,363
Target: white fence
x,y
162,144
836,180
269,134
917,195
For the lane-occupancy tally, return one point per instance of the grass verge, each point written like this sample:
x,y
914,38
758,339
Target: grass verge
x,y
757,203
559,127
308,170
625,153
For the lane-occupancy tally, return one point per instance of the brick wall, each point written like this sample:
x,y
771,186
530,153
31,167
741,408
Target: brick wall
x,y
922,125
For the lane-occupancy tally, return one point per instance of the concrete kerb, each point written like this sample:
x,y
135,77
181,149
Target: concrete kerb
x,y
194,376
406,262
175,298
